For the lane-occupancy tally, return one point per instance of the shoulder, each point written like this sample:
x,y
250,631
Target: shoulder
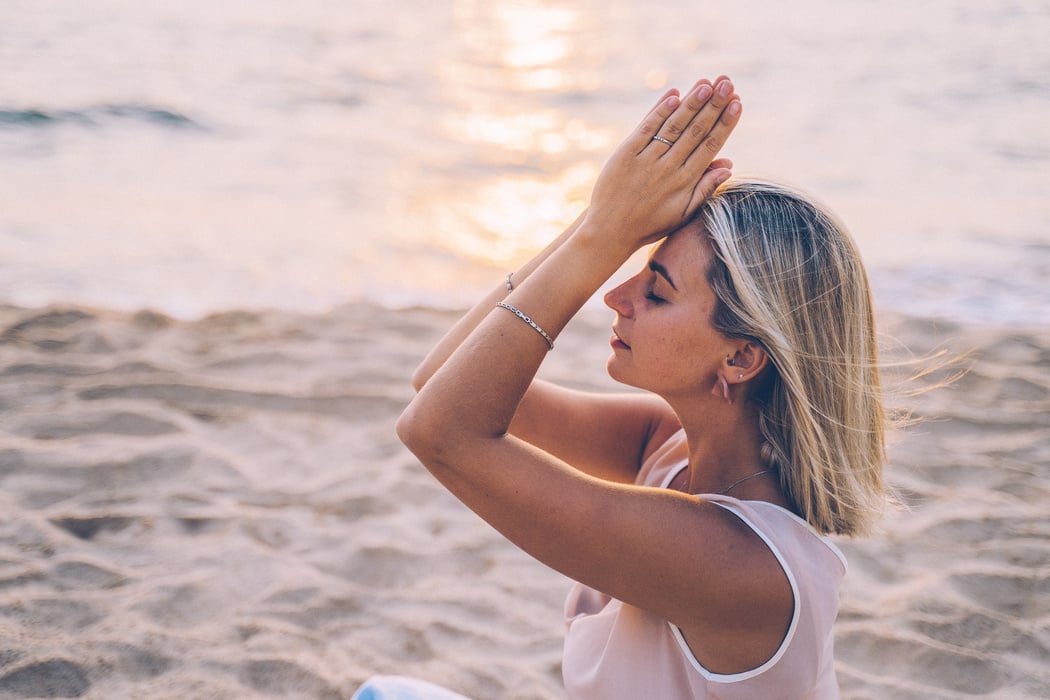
x,y
782,555
750,607
666,448
786,533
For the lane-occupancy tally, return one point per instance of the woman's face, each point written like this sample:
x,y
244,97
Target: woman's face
x,y
663,338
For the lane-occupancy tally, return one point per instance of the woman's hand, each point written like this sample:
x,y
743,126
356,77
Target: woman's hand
x,y
649,188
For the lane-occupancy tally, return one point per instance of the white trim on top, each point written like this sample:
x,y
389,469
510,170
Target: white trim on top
x,y
827,542
744,675
673,473
781,650
830,545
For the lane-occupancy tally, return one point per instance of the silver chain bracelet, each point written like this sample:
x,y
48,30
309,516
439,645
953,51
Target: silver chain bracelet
x,y
526,319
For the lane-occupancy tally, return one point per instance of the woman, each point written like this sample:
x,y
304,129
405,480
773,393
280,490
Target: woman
x,y
691,515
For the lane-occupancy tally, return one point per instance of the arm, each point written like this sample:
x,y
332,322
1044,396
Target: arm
x,y
470,321
459,332
605,435
601,434
648,547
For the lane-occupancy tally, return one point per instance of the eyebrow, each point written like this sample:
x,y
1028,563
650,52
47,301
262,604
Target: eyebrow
x,y
662,271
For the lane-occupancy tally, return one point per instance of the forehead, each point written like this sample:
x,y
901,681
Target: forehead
x,y
686,253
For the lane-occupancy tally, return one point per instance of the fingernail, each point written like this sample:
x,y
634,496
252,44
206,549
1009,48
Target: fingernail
x,y
725,89
704,92
673,101
734,109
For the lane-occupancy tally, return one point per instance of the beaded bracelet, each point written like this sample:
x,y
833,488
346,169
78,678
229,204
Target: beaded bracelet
x,y
526,319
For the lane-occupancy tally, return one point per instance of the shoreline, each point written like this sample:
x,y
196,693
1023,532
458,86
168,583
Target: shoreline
x,y
220,507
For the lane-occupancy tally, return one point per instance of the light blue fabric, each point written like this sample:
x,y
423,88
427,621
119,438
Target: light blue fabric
x,y
403,688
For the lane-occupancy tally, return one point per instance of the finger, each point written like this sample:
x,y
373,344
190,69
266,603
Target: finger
x,y
700,121
672,92
711,181
721,163
703,156
690,106
707,117
645,131
708,81
705,81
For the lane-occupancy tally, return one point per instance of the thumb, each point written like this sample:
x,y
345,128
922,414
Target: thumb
x,y
711,181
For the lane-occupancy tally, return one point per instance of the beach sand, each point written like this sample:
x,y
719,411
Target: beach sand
x,y
220,509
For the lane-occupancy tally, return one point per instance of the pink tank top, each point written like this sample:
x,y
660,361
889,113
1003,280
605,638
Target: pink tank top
x,y
614,650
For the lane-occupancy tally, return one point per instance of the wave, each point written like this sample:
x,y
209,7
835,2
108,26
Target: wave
x,y
97,115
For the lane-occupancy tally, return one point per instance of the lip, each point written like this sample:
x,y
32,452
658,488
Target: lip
x,y
617,342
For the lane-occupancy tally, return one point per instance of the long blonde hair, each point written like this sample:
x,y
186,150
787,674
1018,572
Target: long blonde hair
x,y
788,275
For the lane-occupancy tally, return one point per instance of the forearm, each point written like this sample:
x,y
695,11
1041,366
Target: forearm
x,y
459,332
476,378
474,394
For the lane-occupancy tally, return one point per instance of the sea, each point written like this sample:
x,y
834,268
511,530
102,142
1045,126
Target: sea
x,y
194,157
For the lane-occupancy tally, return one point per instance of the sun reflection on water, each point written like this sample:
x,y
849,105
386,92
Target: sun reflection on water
x,y
518,59
510,217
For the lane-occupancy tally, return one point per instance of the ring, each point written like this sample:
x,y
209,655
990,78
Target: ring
x,y
662,140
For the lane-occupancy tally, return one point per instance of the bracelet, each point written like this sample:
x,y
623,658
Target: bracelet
x,y
510,287
526,319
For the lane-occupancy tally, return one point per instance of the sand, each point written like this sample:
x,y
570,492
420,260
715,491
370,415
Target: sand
x,y
220,509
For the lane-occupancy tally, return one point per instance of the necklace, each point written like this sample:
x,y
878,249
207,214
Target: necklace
x,y
740,481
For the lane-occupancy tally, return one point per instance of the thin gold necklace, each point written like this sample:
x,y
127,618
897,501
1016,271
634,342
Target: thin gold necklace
x,y
740,481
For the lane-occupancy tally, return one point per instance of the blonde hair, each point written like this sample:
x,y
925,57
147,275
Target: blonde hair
x,y
788,276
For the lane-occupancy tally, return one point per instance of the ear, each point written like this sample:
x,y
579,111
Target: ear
x,y
746,363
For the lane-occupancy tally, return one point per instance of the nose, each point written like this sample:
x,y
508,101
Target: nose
x,y
619,298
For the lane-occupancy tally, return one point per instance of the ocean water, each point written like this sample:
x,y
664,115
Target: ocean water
x,y
200,156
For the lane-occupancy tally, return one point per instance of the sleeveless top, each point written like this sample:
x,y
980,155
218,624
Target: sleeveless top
x,y
614,650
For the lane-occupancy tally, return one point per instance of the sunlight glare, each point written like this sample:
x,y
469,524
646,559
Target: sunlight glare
x,y
536,34
510,218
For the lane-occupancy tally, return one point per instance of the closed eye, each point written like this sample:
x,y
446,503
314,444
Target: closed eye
x,y
653,297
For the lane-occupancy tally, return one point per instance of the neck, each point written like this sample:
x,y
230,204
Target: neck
x,y
725,449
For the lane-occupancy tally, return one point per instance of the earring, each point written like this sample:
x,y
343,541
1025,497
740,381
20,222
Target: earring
x,y
721,388
740,376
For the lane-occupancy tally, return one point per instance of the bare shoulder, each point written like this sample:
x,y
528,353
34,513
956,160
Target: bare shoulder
x,y
749,621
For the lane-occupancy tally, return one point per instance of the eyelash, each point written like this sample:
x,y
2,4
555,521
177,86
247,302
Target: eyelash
x,y
653,298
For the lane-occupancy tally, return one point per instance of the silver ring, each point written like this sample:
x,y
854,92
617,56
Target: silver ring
x,y
662,140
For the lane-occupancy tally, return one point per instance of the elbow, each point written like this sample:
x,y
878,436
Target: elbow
x,y
409,428
438,435
422,432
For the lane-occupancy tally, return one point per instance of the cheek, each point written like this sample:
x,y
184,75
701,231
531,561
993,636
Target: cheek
x,y
678,354
673,334
667,354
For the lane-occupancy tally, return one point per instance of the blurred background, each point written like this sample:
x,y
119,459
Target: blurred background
x,y
200,156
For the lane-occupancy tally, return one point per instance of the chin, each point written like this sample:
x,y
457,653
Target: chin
x,y
615,371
